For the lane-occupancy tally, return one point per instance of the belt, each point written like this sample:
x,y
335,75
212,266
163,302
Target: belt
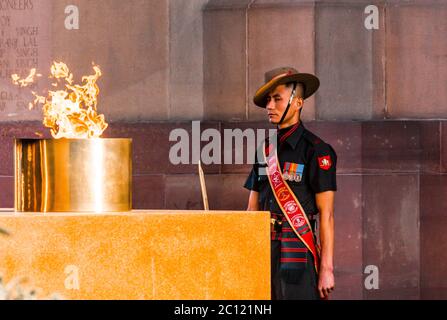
x,y
311,217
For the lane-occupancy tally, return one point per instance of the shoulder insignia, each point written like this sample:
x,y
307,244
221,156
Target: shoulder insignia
x,y
325,162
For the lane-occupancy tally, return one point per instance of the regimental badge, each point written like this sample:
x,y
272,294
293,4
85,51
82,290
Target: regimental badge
x,y
291,207
293,171
298,221
283,194
325,162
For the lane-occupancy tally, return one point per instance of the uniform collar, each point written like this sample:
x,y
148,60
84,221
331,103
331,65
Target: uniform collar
x,y
294,138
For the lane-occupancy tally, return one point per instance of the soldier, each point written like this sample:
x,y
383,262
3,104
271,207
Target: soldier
x,y
295,179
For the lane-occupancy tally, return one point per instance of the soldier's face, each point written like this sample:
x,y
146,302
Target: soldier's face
x,y
277,101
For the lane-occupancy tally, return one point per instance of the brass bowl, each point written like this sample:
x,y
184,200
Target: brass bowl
x,y
73,175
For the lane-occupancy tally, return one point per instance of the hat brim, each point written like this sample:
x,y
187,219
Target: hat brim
x,y
309,82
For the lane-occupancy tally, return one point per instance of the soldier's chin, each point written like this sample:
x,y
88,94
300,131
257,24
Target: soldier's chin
x,y
273,120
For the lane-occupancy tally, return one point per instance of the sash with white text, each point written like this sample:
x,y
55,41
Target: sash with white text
x,y
289,204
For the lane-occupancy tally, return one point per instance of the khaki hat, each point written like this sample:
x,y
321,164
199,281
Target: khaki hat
x,y
283,75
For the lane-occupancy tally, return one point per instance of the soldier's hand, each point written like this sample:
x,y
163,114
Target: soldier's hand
x,y
326,283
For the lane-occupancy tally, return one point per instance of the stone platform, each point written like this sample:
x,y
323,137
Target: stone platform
x,y
143,254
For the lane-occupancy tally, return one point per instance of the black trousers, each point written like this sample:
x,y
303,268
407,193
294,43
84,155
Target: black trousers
x,y
305,289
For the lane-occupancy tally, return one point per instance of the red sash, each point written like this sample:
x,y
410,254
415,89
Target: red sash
x,y
289,204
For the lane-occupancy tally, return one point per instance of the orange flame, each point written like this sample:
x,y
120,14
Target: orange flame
x,y
71,112
26,81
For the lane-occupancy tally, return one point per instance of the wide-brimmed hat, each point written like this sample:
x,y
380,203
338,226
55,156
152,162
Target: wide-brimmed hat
x,y
283,75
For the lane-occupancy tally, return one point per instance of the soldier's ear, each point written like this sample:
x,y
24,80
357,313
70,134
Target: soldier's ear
x,y
299,102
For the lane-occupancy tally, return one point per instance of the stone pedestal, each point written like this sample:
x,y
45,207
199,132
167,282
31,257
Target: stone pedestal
x,y
140,254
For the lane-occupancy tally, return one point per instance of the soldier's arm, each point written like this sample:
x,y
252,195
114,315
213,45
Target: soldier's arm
x,y
253,204
325,204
